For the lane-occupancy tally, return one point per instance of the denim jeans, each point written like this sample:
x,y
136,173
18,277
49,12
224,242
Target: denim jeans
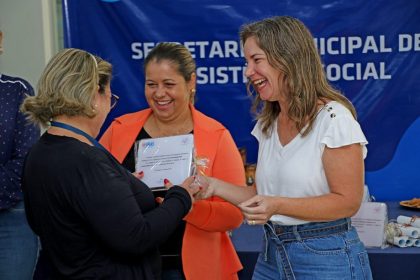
x,y
324,250
18,245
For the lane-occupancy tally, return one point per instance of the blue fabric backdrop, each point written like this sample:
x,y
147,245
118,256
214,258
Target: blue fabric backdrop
x,y
370,50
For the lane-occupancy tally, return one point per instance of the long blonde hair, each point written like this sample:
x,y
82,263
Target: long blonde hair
x,y
290,48
67,86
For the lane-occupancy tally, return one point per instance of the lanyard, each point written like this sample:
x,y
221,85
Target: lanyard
x,y
90,138
78,131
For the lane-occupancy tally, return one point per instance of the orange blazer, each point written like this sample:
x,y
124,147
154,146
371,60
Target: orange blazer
x,y
207,251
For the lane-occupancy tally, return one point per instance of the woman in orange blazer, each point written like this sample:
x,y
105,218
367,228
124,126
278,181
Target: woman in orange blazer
x,y
206,249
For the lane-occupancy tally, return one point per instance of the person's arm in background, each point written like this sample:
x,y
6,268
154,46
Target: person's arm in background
x,y
215,214
19,136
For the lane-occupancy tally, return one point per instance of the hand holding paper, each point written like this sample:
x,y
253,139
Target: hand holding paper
x,y
165,157
139,175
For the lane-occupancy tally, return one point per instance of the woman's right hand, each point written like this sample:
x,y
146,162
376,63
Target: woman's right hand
x,y
207,186
210,186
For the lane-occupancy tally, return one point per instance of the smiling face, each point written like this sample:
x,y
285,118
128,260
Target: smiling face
x,y
268,81
167,92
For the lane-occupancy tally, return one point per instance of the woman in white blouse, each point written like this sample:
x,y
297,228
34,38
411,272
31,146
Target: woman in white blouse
x,y
310,170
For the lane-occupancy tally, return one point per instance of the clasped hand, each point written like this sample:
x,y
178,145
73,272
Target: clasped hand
x,y
258,209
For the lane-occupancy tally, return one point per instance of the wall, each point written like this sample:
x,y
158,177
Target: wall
x,y
30,34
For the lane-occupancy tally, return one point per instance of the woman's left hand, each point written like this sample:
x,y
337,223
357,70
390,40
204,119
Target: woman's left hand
x,y
259,209
139,175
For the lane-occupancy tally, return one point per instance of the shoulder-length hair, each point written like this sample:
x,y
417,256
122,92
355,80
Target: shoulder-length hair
x,y
290,48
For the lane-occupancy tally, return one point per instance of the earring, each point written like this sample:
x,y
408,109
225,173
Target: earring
x,y
193,90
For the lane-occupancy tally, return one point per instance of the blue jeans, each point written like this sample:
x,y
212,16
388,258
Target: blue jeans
x,y
330,250
18,245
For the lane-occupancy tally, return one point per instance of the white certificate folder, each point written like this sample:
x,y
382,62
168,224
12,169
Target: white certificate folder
x,y
370,222
165,157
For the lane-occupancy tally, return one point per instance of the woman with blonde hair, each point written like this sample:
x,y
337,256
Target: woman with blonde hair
x,y
310,170
95,219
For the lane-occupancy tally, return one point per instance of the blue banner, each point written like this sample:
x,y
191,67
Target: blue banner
x,y
370,51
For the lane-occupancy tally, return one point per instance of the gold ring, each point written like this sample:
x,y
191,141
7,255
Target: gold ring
x,y
252,222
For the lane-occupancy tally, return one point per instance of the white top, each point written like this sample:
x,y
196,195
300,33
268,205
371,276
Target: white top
x,y
296,170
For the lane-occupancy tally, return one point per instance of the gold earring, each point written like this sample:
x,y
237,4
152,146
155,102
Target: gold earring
x,y
193,90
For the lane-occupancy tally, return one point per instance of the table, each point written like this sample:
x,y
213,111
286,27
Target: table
x,y
389,263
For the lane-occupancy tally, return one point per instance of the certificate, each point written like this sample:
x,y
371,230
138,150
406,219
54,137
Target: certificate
x,y
370,222
165,157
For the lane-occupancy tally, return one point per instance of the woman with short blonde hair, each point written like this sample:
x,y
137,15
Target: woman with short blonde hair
x,y
95,219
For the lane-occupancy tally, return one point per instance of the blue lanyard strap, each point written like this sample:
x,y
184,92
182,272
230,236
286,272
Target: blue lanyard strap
x,y
78,131
90,138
